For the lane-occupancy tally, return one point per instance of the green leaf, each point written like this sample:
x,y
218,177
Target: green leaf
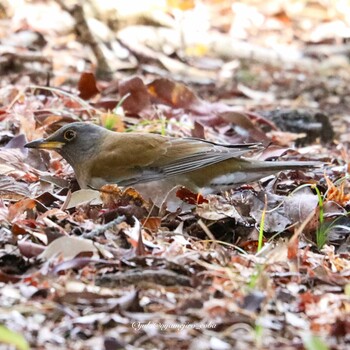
x,y
312,342
13,338
347,290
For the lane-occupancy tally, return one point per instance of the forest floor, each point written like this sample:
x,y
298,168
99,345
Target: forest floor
x,y
262,266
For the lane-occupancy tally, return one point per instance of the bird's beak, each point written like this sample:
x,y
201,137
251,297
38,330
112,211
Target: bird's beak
x,y
45,144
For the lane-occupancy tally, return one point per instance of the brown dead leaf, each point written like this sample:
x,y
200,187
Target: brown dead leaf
x,y
251,246
17,209
7,278
198,130
105,104
138,98
179,96
244,126
305,299
293,246
271,152
110,195
87,86
140,247
189,197
113,197
174,94
152,223
21,227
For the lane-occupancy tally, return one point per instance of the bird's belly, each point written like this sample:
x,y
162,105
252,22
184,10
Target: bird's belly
x,y
228,180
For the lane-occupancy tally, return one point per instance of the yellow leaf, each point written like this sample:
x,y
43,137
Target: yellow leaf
x,y
182,5
13,338
112,121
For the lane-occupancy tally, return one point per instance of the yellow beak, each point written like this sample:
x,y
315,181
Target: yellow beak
x,y
45,144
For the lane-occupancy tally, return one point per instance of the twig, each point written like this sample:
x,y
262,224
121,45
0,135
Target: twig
x,y
86,37
12,61
159,277
97,231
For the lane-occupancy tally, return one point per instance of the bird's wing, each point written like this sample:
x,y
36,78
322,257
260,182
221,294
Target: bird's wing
x,y
185,155
149,157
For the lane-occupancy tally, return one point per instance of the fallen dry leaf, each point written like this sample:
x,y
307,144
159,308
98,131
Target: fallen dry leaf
x,y
68,248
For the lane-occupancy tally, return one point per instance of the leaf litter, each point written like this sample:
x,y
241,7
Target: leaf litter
x,y
85,269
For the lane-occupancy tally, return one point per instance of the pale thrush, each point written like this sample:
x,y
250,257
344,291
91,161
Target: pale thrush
x,y
140,160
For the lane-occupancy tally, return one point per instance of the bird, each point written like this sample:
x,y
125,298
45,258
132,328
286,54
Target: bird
x,y
154,164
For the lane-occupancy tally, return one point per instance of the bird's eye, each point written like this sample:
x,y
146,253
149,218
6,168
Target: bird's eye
x,y
69,135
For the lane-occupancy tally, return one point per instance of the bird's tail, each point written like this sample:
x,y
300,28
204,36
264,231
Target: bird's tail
x,y
255,165
239,171
252,170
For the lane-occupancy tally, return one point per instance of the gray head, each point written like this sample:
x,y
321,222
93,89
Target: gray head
x,y
75,142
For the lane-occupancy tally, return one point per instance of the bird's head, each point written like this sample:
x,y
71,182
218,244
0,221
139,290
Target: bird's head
x,y
76,142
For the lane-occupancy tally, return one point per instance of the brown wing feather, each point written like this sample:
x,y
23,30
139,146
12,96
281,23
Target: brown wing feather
x,y
153,157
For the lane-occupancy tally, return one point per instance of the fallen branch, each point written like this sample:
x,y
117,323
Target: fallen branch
x,y
159,277
145,40
87,37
